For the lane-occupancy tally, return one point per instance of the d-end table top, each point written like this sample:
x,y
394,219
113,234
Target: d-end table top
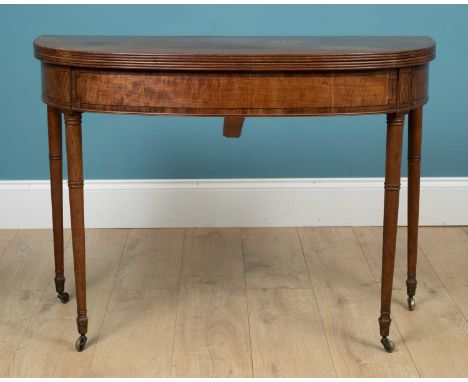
x,y
223,53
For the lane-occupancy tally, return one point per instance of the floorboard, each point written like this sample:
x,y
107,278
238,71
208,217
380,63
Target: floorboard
x,y
349,301
436,332
231,302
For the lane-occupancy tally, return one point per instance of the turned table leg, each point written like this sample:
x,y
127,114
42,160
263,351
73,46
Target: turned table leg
x,y
414,166
392,190
54,123
75,189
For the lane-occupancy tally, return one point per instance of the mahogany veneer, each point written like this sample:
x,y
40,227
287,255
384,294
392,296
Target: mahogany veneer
x,y
236,77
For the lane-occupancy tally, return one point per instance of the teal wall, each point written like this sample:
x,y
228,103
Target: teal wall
x,y
118,147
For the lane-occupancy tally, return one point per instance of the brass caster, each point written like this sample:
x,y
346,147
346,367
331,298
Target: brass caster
x,y
411,303
64,297
387,344
80,343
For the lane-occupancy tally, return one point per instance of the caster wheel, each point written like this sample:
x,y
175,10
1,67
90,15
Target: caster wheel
x,y
64,297
80,343
411,303
387,344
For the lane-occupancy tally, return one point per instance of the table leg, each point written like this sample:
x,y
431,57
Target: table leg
x,y
75,189
54,123
414,166
395,124
233,126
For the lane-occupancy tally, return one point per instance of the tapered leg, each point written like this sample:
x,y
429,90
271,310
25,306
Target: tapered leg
x,y
392,190
54,122
414,166
75,187
233,126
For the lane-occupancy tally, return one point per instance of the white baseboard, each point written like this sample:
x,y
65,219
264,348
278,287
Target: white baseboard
x,y
233,203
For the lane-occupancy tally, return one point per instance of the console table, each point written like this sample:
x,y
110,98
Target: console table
x,y
235,77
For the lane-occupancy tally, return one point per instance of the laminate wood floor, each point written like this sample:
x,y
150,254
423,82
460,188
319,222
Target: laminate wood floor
x,y
262,302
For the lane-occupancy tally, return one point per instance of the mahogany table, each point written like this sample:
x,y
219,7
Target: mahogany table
x,y
235,77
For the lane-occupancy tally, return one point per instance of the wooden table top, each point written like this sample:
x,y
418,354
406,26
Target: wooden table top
x,y
299,53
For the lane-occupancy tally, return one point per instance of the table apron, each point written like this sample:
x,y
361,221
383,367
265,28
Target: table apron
x,y
240,93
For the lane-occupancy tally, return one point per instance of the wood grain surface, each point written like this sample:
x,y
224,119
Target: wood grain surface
x,y
348,307
236,53
209,328
436,332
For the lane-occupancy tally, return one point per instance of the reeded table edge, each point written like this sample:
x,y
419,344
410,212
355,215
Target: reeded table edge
x,y
239,62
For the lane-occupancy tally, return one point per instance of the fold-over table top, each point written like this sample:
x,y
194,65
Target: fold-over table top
x,y
298,53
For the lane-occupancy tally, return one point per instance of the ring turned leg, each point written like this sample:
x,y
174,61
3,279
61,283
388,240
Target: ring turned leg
x,y
392,190
414,166
75,189
54,123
